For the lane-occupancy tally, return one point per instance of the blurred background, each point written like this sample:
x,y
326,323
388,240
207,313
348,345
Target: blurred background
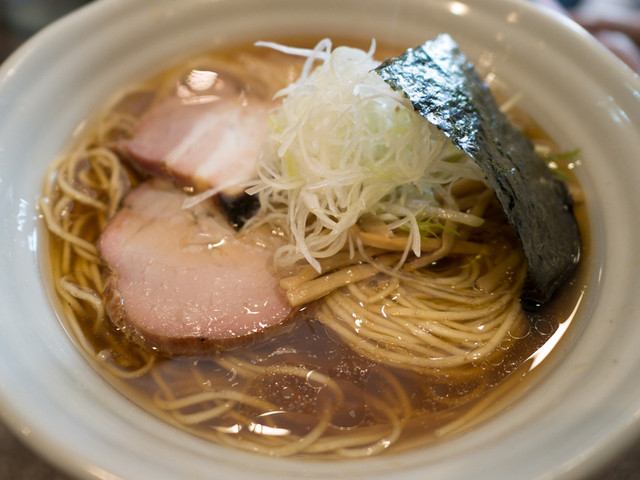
x,y
19,19
615,22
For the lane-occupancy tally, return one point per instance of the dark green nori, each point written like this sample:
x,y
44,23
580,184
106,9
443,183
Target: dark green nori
x,y
446,89
238,208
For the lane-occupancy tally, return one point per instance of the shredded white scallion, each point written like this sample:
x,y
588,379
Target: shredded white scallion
x,y
343,143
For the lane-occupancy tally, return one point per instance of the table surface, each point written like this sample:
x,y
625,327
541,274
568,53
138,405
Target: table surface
x,y
19,462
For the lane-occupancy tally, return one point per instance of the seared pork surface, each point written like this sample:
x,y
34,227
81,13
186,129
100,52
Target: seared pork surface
x,y
209,144
182,280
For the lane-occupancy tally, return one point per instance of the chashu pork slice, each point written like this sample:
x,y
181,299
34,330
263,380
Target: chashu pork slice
x,y
182,281
195,142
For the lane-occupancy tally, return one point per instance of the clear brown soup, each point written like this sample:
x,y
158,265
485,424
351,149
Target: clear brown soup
x,y
302,390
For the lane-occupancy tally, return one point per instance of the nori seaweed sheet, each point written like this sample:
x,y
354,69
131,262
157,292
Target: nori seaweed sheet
x,y
239,208
446,89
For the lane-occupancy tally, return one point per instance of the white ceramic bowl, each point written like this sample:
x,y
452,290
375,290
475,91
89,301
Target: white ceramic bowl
x,y
584,409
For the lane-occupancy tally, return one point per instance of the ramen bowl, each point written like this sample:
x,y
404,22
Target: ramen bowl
x,y
580,410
